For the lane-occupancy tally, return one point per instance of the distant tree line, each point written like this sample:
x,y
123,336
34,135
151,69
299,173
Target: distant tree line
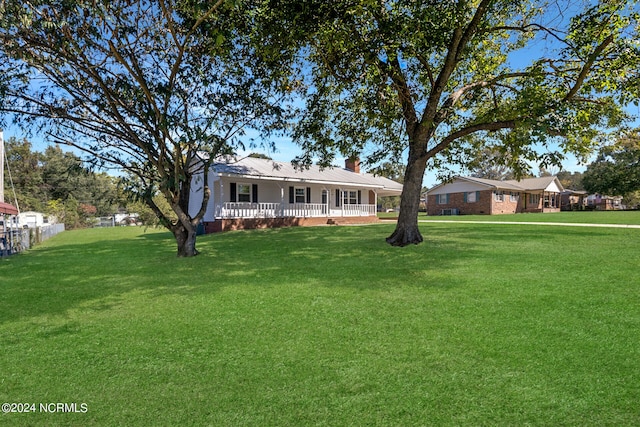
x,y
59,184
616,170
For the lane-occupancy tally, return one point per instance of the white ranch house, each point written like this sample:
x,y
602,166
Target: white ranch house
x,y
260,193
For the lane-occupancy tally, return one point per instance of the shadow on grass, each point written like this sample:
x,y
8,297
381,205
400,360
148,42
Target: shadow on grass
x,y
81,267
96,270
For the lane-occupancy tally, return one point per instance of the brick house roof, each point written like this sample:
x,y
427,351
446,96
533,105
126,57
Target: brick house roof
x,y
527,184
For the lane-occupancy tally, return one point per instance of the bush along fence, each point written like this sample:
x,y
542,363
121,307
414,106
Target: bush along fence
x,y
14,241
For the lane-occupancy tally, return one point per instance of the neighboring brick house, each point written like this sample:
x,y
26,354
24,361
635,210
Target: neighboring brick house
x,y
604,203
573,200
478,196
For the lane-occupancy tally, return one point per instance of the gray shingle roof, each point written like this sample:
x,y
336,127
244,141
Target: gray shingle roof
x,y
505,185
527,184
283,171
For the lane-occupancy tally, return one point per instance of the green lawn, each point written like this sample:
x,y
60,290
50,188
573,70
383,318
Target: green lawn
x,y
482,324
595,217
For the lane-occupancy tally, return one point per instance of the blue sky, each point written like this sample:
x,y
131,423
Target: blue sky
x,y
286,150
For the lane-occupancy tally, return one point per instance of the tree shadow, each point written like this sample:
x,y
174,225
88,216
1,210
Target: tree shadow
x,y
98,275
94,275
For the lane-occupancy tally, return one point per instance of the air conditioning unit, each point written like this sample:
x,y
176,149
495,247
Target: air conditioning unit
x,y
450,212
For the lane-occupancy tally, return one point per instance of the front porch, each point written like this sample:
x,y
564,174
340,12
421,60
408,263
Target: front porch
x,y
244,215
237,210
540,202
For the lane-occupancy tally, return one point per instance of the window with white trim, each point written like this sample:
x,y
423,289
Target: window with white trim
x,y
244,192
498,196
300,195
350,197
514,196
534,199
442,199
471,197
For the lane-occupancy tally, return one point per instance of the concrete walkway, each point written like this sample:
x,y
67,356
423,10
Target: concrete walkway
x,y
562,224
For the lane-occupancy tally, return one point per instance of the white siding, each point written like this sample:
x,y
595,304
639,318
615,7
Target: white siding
x,y
31,219
197,194
458,187
553,187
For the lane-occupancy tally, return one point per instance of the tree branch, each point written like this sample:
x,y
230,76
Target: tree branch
x,y
459,40
490,126
587,67
404,94
527,28
427,66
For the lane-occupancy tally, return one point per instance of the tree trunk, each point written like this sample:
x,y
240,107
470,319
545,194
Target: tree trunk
x,y
186,240
407,231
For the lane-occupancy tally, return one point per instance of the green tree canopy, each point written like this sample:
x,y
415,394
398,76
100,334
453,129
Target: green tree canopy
x,y
39,178
491,163
616,171
433,81
24,175
571,180
156,88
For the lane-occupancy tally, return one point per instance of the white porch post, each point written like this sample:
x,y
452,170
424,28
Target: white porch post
x,y
330,196
281,213
221,201
327,204
375,202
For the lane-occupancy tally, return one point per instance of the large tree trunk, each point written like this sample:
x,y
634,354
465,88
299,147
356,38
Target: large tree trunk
x,y
184,229
407,231
185,239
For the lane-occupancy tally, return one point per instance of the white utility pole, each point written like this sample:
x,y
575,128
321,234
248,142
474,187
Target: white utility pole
x,y
1,167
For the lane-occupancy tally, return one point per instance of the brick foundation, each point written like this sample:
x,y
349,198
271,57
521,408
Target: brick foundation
x,y
254,223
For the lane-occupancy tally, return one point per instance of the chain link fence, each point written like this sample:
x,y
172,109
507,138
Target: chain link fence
x,y
20,239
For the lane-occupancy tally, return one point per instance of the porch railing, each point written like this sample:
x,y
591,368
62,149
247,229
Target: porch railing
x,y
359,210
305,210
280,210
248,210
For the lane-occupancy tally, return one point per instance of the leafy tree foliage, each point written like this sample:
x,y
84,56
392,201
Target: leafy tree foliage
x,y
395,172
56,182
156,88
391,170
616,171
571,180
259,156
25,172
435,80
491,164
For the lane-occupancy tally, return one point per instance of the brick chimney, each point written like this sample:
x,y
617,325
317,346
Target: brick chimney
x,y
352,164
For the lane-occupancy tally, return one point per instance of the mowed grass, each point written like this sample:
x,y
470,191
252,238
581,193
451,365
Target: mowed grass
x,y
481,324
593,217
